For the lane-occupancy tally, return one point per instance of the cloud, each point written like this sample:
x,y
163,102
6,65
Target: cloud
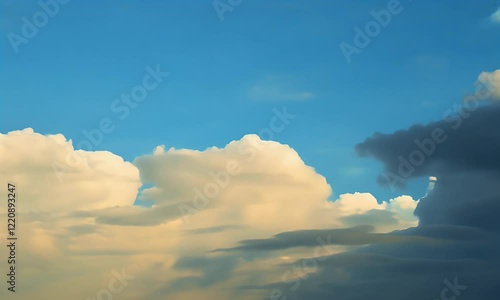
x,y
359,235
53,180
374,217
491,80
414,270
495,17
461,213
56,178
466,164
456,242
197,186
266,211
274,88
89,224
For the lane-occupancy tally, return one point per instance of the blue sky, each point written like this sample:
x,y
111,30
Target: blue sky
x,y
226,77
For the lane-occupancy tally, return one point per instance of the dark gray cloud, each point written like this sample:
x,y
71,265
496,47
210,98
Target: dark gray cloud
x,y
462,213
469,142
357,276
466,163
359,235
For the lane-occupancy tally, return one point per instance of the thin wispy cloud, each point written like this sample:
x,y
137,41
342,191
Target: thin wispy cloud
x,y
495,17
274,88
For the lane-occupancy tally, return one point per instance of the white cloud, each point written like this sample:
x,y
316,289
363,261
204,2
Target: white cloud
x,y
272,191
495,17
56,178
159,150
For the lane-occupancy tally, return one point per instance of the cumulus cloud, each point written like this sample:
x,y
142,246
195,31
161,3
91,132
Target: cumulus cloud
x,y
250,182
57,178
455,244
52,180
203,200
251,219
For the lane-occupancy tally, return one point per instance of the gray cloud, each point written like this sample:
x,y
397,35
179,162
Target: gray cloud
x,y
467,166
359,235
461,213
212,271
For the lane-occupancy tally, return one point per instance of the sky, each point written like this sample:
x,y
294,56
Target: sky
x,y
115,113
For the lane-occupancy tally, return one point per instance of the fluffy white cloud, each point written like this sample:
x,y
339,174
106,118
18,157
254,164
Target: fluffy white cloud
x,y
86,225
53,177
52,181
